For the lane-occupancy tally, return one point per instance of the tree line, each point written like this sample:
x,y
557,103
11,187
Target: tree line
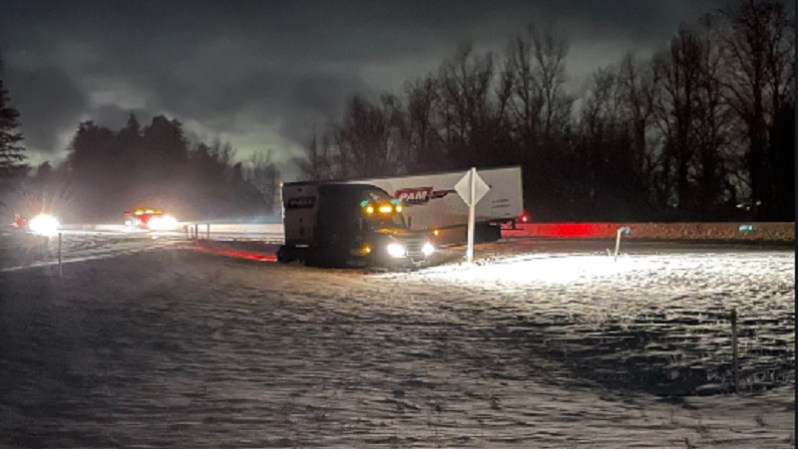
x,y
701,130
107,172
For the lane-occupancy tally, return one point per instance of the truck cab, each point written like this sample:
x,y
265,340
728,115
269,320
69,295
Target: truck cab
x,y
344,224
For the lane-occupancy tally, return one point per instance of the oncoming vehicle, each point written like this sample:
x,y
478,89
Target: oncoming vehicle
x,y
42,224
150,219
20,222
340,224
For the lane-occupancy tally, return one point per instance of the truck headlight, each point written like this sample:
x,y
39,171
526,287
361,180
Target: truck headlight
x,y
396,250
162,223
428,249
44,224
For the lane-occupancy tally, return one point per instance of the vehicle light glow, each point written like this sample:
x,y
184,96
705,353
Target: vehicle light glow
x,y
386,209
428,249
396,250
362,251
162,223
44,224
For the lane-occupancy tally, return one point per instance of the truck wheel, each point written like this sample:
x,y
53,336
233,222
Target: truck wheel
x,y
486,233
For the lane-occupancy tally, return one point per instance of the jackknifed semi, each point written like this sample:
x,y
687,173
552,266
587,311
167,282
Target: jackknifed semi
x,y
391,221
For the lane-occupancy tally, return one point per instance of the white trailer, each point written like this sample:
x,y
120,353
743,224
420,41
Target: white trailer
x,y
431,203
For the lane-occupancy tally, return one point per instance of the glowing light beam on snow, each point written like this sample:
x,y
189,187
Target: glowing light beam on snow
x,y
548,269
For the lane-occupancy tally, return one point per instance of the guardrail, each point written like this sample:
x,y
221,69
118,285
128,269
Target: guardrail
x,y
757,231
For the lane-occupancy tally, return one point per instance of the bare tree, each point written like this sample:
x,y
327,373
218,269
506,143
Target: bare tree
x,y
465,83
759,55
424,142
539,105
677,112
715,124
264,176
370,141
317,163
597,129
538,116
636,89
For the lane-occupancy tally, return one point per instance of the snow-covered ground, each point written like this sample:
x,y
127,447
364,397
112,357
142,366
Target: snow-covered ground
x,y
20,250
539,344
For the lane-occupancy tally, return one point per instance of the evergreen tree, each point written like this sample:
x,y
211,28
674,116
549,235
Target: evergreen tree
x,y
12,154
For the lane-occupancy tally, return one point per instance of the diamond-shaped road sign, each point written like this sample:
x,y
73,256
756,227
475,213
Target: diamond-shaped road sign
x,y
463,188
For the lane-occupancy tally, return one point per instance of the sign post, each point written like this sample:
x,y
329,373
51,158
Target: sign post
x,y
471,189
60,266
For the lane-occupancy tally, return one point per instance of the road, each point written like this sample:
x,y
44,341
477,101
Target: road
x,y
20,250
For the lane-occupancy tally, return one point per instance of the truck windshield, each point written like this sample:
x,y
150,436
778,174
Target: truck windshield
x,y
394,220
390,221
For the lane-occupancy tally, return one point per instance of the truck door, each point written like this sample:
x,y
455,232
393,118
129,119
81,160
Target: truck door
x,y
338,224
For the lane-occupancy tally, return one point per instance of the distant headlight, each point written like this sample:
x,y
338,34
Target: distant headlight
x,y
428,249
162,223
396,250
44,224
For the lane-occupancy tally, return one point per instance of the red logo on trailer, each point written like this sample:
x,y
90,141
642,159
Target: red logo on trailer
x,y
420,195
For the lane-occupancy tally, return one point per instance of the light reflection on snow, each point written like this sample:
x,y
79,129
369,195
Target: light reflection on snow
x,y
588,268
556,269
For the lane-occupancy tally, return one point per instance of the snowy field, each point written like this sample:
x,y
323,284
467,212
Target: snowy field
x,y
540,344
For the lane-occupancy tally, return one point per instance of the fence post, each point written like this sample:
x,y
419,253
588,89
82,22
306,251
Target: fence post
x,y
208,232
60,265
735,360
621,230
196,231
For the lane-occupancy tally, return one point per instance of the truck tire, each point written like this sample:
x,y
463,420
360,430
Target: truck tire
x,y
487,233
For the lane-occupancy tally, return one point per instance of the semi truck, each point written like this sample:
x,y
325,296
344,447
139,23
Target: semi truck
x,y
392,220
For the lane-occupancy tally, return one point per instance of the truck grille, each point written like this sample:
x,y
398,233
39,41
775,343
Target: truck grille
x,y
413,247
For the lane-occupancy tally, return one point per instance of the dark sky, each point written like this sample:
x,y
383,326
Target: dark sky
x,y
262,74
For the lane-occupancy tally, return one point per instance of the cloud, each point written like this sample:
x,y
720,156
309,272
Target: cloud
x,y
266,74
48,102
